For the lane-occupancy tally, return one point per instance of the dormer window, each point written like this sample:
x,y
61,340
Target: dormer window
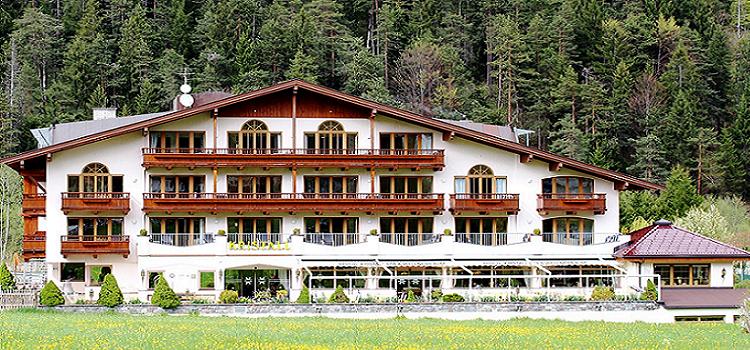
x,y
95,177
480,180
254,135
177,141
330,138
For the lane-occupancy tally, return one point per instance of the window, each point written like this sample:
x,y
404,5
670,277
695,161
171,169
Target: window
x,y
95,177
492,277
413,282
482,231
480,180
409,231
344,277
253,184
580,282
72,272
177,225
331,138
683,275
97,274
330,184
178,184
254,137
568,185
405,141
571,231
706,318
178,141
405,184
207,280
95,226
331,225
249,230
153,279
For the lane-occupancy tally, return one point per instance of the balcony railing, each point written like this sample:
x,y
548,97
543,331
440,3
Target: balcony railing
x,y
298,157
34,245
502,238
250,238
486,239
484,203
34,204
572,202
292,202
96,202
181,239
333,239
409,239
95,245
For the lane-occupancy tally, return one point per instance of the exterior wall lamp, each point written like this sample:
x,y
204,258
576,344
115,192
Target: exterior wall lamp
x,y
723,272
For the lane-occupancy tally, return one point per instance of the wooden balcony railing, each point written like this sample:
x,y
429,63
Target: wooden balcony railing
x,y
95,245
293,202
96,202
485,203
572,202
34,204
34,245
293,157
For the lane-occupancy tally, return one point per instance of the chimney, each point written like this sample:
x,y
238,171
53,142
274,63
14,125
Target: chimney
x,y
105,113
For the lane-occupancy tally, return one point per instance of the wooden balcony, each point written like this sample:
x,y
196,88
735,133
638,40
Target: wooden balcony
x,y
287,158
572,202
485,203
34,204
292,202
95,202
95,245
34,245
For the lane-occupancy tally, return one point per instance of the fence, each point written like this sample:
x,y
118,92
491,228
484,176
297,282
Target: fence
x,y
18,300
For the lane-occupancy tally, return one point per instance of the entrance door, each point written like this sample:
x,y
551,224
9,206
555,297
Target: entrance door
x,y
248,283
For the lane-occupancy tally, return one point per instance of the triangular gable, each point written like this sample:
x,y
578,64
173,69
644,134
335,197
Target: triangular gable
x,y
361,105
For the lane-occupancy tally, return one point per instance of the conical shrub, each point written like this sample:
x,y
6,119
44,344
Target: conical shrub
x,y
110,295
339,296
7,282
304,296
51,295
164,296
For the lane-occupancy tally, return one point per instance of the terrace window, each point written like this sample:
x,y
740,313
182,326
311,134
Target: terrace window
x,y
248,230
405,184
88,227
410,279
72,272
492,277
95,177
331,138
153,279
683,275
206,280
408,231
97,274
344,277
333,231
571,231
482,231
178,184
480,180
254,135
568,185
405,141
177,141
179,231
328,185
580,282
253,184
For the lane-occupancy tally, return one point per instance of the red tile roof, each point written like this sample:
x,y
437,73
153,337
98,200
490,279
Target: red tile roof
x,y
702,298
664,240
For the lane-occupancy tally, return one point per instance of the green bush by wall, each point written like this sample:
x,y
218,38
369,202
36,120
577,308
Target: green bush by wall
x,y
110,295
228,297
51,295
339,296
164,296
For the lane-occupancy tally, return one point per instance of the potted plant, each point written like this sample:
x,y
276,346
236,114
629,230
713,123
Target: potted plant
x,y
373,232
448,232
537,231
143,232
221,232
297,231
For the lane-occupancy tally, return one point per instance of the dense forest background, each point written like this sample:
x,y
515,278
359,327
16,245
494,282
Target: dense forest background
x,y
638,86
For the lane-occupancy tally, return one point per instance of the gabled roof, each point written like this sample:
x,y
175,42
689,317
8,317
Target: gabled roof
x,y
664,240
702,298
622,180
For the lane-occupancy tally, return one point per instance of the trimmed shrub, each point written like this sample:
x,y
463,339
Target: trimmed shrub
x,y
51,295
229,297
164,296
602,293
339,296
304,296
453,298
650,293
410,297
436,294
7,282
110,295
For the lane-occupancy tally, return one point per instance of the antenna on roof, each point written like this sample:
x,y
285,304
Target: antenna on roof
x,y
185,99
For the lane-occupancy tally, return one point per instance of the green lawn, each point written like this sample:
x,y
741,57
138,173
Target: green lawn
x,y
53,330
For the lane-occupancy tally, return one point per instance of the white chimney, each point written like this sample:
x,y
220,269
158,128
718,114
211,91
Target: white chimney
x,y
105,113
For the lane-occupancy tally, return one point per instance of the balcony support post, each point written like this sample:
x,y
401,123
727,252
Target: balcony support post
x,y
294,117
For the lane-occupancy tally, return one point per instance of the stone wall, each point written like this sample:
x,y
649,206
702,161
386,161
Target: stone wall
x,y
385,309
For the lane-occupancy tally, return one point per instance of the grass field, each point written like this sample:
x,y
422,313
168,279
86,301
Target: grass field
x,y
53,330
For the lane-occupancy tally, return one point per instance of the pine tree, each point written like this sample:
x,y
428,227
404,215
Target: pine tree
x,y
735,150
135,58
679,196
303,67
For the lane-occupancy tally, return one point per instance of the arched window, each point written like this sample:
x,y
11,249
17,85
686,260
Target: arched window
x,y
254,135
94,177
331,137
568,230
480,180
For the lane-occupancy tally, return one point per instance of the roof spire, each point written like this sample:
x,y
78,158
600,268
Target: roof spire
x,y
663,222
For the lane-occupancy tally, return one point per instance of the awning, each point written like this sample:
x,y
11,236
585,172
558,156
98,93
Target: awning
x,y
455,263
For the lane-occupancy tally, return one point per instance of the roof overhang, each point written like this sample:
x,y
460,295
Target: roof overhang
x,y
622,181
